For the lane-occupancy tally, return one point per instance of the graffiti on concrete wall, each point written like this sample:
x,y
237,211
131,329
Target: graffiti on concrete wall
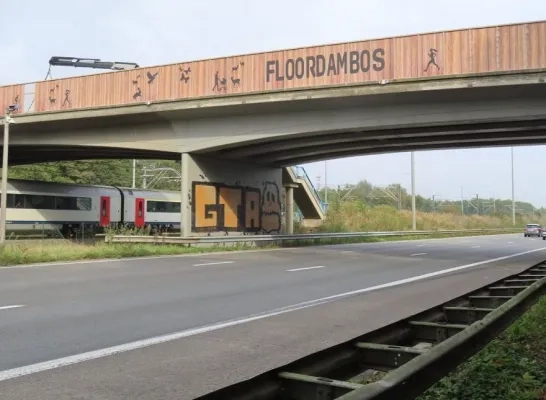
x,y
271,208
235,208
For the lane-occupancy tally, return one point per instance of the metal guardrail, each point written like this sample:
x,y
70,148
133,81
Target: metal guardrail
x,y
404,359
280,238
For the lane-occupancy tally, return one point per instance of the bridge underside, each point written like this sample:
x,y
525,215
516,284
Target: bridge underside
x,y
286,152
307,127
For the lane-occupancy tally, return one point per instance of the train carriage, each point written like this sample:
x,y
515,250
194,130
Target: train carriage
x,y
152,208
44,207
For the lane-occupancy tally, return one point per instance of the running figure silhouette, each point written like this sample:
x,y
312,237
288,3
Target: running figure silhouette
x,y
432,59
67,98
216,82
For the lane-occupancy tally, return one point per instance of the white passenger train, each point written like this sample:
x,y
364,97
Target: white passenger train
x,y
43,206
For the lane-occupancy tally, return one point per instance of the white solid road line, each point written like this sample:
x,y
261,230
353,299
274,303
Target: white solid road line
x,y
10,307
91,355
305,269
476,247
348,251
213,263
418,254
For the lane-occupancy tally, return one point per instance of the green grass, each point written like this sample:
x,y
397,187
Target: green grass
x,y
511,367
30,252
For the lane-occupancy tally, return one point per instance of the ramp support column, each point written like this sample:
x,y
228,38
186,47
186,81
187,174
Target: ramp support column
x,y
185,208
290,207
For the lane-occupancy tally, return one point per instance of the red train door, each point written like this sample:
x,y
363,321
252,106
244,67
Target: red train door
x,y
139,213
104,211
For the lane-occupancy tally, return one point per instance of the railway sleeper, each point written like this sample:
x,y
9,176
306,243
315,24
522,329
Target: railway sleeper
x,y
521,281
466,315
536,275
506,290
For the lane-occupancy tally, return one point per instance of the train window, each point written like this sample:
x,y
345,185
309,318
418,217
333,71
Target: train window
x,y
16,201
39,202
163,206
73,203
84,203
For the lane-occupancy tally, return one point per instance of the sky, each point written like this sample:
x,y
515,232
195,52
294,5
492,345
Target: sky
x,y
168,31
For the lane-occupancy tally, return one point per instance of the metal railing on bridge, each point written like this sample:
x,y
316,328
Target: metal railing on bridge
x,y
300,172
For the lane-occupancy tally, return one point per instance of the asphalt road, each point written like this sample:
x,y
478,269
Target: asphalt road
x,y
54,314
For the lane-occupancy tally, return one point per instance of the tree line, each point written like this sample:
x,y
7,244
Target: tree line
x,y
397,196
163,175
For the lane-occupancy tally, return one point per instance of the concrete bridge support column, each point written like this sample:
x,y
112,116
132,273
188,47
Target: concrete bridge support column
x,y
221,197
290,207
185,193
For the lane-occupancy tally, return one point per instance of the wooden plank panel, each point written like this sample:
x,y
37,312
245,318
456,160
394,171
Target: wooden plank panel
x,y
480,50
505,56
453,50
484,52
12,95
537,45
516,47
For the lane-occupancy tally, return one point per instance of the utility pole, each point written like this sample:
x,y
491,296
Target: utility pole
x,y
4,187
326,182
413,209
144,176
462,201
513,197
134,174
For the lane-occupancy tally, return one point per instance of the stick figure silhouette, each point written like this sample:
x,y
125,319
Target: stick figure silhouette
x,y
216,81
67,97
432,59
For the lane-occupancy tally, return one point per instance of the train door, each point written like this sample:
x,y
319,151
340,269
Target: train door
x,y
104,211
139,213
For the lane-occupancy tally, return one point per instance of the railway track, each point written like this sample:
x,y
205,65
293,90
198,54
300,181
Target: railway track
x,y
401,360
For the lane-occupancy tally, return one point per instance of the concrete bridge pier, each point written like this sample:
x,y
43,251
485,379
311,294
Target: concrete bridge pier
x,y
185,206
229,197
289,200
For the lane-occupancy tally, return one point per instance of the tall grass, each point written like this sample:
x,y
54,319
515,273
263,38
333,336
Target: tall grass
x,y
357,217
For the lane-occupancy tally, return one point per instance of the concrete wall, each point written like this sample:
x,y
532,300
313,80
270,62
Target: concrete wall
x,y
234,198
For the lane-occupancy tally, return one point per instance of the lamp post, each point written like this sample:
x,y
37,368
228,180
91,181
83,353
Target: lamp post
x,y
413,208
134,174
462,201
4,187
513,197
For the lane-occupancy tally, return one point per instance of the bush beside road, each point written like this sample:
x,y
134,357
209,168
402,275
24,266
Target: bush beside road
x,y
511,367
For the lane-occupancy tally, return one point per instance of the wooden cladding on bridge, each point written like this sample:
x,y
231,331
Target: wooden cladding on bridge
x,y
481,50
12,95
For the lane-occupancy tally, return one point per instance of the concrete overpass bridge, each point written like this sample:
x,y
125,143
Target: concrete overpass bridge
x,y
238,120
